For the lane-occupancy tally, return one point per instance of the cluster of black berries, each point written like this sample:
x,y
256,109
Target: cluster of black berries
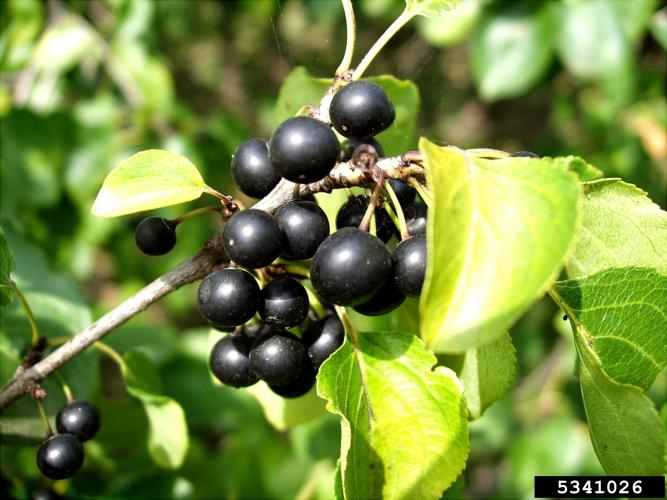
x,y
61,455
350,267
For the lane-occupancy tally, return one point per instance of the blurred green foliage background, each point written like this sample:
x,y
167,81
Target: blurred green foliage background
x,y
87,83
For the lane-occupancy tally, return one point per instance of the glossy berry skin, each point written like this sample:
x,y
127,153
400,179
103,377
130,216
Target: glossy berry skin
x,y
79,418
228,297
385,300
349,267
303,149
277,359
252,238
252,169
304,225
410,265
300,385
415,217
352,212
322,338
155,235
348,147
284,303
60,456
361,109
229,361
404,193
524,154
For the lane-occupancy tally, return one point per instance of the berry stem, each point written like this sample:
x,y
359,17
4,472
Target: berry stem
x,y
112,353
45,417
366,221
66,387
351,38
400,21
423,191
28,312
230,204
315,303
197,211
399,211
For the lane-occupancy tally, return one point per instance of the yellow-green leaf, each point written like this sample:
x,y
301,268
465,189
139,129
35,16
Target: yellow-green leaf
x,y
429,8
499,232
146,181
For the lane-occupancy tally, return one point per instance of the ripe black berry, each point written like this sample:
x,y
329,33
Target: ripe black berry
x,y
415,216
155,235
348,147
404,193
300,385
349,267
229,361
386,299
228,297
252,169
60,456
361,109
323,338
252,238
284,303
303,149
79,418
352,212
277,359
524,154
304,226
410,265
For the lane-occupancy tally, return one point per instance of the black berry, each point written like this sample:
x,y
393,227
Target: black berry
x,y
284,303
228,297
352,212
348,147
322,338
229,361
303,149
415,217
300,385
524,154
386,299
252,238
277,359
349,267
361,109
60,456
252,169
79,418
304,226
404,193
410,265
155,235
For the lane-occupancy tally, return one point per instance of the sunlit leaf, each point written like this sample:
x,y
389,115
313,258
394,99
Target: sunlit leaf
x,y
499,231
621,313
146,181
284,413
621,227
429,8
404,432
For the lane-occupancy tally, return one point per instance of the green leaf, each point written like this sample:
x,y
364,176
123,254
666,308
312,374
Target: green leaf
x,y
658,27
451,27
298,89
7,265
64,44
620,227
428,8
499,231
624,424
621,313
404,432
148,180
283,413
168,438
512,48
591,40
487,373
584,170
